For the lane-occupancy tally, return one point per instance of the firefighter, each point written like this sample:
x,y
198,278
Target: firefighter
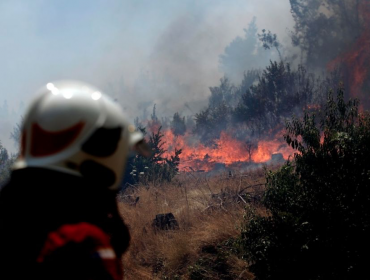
x,y
58,213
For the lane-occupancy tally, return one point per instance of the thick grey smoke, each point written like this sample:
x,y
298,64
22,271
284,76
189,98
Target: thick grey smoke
x,y
184,61
141,52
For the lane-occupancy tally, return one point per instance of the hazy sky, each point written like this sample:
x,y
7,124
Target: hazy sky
x,y
114,43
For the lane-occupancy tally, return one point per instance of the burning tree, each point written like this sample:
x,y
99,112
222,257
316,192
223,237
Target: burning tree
x,y
234,117
318,221
156,168
335,35
326,28
210,122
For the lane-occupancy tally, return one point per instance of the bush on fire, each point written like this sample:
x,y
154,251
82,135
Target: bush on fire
x,y
317,224
156,168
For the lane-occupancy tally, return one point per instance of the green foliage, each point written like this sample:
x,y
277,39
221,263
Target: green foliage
x,y
243,53
222,94
213,264
249,78
15,135
6,162
178,125
260,103
155,168
269,41
318,220
210,122
278,92
323,36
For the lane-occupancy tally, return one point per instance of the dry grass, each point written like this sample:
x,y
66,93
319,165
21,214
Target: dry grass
x,y
208,210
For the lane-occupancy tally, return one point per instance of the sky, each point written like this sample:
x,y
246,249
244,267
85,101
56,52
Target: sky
x,y
141,52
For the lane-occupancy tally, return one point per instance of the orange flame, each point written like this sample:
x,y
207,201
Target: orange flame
x,y
357,59
226,150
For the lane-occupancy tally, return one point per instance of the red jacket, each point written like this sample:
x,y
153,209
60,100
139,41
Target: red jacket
x,y
56,226
79,251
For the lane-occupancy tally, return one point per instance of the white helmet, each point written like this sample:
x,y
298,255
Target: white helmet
x,y
74,128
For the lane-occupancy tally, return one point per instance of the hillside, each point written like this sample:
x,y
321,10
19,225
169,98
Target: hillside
x,y
209,212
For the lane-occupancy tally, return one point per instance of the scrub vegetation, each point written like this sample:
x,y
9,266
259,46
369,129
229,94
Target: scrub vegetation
x,y
307,218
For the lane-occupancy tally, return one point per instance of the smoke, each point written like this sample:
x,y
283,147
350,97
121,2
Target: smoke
x,y
140,52
184,62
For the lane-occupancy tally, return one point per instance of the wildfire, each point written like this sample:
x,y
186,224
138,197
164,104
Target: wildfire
x,y
226,150
357,58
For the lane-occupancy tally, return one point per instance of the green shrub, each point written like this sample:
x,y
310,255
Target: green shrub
x,y
155,168
5,163
317,224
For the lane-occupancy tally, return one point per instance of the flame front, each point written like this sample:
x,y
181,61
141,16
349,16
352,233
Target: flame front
x,y
226,150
